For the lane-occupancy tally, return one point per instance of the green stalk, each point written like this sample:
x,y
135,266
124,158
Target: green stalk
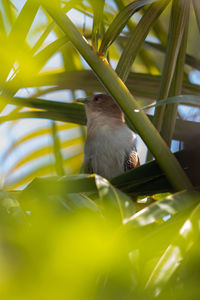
x,y
169,120
178,17
116,88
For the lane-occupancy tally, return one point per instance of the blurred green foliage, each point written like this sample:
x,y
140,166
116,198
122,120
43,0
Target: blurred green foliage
x,y
133,43
79,238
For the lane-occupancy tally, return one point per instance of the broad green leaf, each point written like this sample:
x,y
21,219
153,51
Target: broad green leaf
x,y
10,206
70,191
157,226
79,200
175,252
149,179
146,179
108,198
150,169
111,197
168,207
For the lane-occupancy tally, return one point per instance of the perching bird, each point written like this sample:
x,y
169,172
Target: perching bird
x,y
110,145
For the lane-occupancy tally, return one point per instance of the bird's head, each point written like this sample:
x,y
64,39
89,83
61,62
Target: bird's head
x,y
102,106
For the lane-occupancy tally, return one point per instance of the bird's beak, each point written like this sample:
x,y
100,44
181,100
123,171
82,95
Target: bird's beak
x,y
84,100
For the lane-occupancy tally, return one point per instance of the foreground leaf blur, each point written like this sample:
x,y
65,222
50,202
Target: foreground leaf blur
x,y
80,238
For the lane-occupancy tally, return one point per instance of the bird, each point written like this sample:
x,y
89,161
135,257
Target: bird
x,y
110,147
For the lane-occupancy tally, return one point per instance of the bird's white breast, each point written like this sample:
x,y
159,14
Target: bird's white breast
x,y
107,149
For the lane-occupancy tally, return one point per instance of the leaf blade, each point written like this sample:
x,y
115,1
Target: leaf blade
x,y
119,22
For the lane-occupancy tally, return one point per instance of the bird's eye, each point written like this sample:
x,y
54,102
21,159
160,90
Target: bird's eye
x,y
97,99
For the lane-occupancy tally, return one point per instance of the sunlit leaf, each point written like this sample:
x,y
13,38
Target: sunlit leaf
x,y
108,196
159,210
176,252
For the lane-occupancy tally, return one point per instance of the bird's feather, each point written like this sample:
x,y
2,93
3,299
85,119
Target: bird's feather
x,y
131,161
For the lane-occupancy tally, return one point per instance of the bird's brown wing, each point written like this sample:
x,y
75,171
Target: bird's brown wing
x,y
131,161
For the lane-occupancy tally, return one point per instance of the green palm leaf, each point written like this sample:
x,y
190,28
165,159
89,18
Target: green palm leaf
x,y
119,22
